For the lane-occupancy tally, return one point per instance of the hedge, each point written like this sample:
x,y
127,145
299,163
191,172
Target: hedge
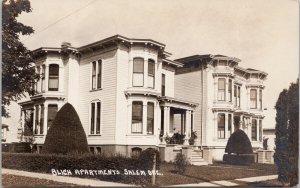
x,y
242,159
43,163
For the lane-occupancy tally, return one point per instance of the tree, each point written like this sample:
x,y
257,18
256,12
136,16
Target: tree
x,y
18,75
66,134
286,131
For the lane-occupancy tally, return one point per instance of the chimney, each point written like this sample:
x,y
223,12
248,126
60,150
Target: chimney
x,y
65,44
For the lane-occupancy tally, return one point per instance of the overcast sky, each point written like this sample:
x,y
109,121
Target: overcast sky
x,y
264,34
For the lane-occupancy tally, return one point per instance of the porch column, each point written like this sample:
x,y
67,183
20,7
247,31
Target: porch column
x,y
45,118
166,120
226,125
187,126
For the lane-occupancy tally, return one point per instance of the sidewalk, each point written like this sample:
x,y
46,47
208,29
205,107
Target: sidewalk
x,y
65,179
228,182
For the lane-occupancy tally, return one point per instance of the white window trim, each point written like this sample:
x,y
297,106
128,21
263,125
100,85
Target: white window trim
x,y
95,120
97,71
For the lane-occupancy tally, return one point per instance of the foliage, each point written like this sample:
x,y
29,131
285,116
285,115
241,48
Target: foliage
x,y
286,131
265,143
239,143
193,138
180,163
17,72
43,163
242,159
147,159
177,138
66,134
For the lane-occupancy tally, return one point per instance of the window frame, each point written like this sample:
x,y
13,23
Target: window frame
x,y
53,76
43,79
150,118
137,118
152,63
221,127
134,72
230,89
254,125
95,118
253,99
48,120
163,84
221,92
260,99
96,74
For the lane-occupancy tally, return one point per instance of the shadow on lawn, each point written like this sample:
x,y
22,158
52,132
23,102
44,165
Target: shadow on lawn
x,y
185,175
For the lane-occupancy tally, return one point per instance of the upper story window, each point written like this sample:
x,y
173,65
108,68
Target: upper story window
x,y
254,130
230,90
150,118
253,98
221,126
151,73
96,74
43,78
137,117
38,71
238,96
163,84
138,72
53,77
260,130
260,99
221,89
95,117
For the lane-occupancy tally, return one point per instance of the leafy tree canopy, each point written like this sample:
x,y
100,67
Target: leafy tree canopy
x,y
18,74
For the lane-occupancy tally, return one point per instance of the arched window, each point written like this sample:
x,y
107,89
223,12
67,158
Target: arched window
x,y
138,72
136,152
53,77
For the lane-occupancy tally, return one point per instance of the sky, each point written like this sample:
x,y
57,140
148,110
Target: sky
x,y
264,34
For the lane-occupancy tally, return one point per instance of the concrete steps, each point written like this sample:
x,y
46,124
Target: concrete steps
x,y
196,159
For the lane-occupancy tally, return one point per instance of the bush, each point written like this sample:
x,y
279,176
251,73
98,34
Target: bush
x,y
243,159
66,134
177,138
181,163
146,158
193,138
43,163
239,143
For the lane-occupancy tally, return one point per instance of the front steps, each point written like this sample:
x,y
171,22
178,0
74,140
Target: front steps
x,y
196,159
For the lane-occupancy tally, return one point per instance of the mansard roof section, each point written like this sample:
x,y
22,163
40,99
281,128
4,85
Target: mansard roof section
x,y
249,71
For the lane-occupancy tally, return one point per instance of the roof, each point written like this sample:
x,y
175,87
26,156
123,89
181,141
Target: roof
x,y
206,56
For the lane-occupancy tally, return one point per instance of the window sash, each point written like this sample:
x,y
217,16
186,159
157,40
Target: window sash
x,y
52,111
150,118
254,130
138,65
92,118
98,118
230,90
260,130
163,84
260,99
99,75
36,119
221,126
229,124
253,98
53,83
42,120
138,79
221,89
137,117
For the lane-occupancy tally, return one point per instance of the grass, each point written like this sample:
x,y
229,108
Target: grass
x,y
215,172
21,181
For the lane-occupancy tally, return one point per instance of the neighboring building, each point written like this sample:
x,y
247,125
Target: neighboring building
x,y
128,95
269,133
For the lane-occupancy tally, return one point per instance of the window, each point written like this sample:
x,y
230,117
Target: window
x,y
137,117
229,124
52,111
150,118
221,126
98,150
163,84
43,79
151,73
38,71
42,120
136,152
221,89
235,95
95,118
92,150
254,130
260,130
138,72
230,90
260,99
36,119
53,77
253,98
96,74
239,96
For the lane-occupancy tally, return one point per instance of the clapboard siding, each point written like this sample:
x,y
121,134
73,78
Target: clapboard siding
x,y
121,101
107,96
188,87
169,87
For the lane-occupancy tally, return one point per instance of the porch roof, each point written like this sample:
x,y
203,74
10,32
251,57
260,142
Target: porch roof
x,y
179,103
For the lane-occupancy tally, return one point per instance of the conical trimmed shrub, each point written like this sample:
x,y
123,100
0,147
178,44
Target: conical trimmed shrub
x,y
239,143
66,134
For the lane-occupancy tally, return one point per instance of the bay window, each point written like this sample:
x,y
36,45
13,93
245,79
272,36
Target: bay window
x,y
95,118
150,118
163,84
138,72
229,124
230,90
260,130
42,120
137,117
260,99
151,73
235,95
253,99
239,96
52,111
221,89
221,126
53,77
254,130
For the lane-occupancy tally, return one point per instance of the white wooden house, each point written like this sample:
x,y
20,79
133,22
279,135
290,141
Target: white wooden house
x,y
129,96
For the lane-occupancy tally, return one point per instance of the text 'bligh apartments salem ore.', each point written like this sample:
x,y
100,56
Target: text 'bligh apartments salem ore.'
x,y
130,96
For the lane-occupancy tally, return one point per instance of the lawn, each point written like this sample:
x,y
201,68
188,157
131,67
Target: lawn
x,y
21,181
215,172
